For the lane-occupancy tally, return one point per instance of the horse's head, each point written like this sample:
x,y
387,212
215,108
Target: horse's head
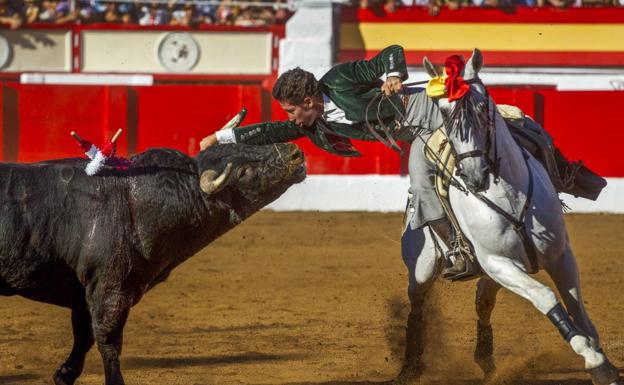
x,y
468,120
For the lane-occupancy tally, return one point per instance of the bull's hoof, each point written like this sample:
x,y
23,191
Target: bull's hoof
x,y
408,374
605,374
64,376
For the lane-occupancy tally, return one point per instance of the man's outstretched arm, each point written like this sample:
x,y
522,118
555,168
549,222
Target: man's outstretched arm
x,y
261,133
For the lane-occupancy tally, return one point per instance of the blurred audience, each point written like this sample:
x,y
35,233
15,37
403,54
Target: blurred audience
x,y
13,13
434,6
16,13
194,13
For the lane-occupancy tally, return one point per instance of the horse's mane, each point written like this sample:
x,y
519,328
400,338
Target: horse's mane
x,y
468,108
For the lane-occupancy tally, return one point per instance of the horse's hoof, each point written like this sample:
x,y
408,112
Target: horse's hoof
x,y
64,376
409,373
605,374
487,365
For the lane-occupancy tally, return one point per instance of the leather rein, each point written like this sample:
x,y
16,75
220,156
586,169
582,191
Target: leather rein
x,y
491,145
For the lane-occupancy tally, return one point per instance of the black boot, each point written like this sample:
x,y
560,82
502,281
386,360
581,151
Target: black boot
x,y
462,267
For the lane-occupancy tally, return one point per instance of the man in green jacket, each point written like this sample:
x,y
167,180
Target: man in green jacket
x,y
333,110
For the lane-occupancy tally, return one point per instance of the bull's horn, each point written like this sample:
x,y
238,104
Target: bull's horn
x,y
210,183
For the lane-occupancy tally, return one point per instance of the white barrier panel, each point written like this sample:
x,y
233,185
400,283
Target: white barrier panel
x,y
87,79
388,193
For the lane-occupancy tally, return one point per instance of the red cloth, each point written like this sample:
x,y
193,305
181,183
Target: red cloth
x,y
456,87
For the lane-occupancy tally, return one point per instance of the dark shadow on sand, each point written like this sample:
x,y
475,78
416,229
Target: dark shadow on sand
x,y
17,379
454,381
246,358
248,327
504,381
341,383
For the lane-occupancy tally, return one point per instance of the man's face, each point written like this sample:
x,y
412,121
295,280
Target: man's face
x,y
304,114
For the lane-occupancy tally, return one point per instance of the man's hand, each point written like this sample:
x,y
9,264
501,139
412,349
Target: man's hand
x,y
392,85
208,141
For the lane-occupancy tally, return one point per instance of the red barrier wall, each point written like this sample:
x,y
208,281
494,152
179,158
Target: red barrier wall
x,y
36,121
2,118
48,113
588,125
180,116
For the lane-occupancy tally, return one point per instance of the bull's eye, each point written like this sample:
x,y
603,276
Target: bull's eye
x,y
245,173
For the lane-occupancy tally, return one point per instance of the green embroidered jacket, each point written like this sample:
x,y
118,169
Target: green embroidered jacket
x,y
351,86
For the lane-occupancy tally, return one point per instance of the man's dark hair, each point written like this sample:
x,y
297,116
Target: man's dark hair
x,y
295,85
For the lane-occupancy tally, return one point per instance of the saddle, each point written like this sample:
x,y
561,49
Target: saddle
x,y
569,177
573,178
438,151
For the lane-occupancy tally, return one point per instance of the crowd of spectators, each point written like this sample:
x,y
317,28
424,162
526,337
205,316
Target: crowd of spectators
x,y
16,13
434,6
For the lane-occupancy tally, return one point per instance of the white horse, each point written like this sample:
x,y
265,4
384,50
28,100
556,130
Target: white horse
x,y
520,187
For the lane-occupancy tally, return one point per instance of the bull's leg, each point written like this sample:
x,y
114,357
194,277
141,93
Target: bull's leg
x,y
484,301
83,341
422,258
109,315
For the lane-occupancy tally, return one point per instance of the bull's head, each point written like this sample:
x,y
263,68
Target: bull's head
x,y
249,177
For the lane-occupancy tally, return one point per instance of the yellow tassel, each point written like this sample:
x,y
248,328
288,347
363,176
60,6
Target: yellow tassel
x,y
436,88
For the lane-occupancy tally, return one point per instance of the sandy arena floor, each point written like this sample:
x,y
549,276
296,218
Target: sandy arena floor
x,y
319,298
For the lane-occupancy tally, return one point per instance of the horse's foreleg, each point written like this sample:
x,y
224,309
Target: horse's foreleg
x,y
504,271
422,259
484,301
564,273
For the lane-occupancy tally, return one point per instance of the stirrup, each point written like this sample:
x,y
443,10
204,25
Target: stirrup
x,y
471,270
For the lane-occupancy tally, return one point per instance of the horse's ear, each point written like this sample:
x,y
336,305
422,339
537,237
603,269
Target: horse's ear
x,y
429,67
474,64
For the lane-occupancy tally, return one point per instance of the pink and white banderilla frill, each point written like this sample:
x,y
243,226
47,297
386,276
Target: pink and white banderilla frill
x,y
103,156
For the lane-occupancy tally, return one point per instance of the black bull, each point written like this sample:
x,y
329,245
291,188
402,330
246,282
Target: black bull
x,y
97,244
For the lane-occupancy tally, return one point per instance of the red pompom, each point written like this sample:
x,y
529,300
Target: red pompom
x,y
109,149
456,87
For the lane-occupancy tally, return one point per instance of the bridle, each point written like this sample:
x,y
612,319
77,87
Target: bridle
x,y
491,146
487,119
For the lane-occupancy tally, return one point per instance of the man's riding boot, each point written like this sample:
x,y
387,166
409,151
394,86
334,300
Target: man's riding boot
x,y
463,267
